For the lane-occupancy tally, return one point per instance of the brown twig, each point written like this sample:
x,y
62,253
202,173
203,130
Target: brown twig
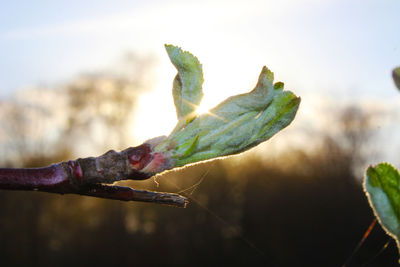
x,y
86,176
130,194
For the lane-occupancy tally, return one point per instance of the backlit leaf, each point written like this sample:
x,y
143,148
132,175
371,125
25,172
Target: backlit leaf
x,y
187,85
382,186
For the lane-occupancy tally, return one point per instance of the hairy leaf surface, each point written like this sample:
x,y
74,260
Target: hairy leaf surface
x,y
235,125
187,85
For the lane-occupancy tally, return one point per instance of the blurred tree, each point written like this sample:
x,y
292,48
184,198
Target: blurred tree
x,y
93,113
245,211
41,126
101,106
309,211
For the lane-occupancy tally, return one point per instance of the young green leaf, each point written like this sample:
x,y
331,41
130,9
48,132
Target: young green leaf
x,y
396,77
187,85
382,187
237,124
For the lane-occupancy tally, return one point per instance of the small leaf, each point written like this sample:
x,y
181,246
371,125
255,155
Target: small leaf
x,y
396,77
187,85
382,187
236,125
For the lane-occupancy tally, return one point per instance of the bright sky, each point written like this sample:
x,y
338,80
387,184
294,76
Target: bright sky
x,y
339,48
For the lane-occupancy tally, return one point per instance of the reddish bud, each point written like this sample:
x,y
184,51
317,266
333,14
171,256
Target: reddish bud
x,y
156,165
75,168
140,157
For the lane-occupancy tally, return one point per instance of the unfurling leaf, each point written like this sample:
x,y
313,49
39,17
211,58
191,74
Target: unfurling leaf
x,y
396,77
235,125
382,187
187,85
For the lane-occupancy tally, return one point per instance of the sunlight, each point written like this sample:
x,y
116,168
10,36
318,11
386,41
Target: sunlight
x,y
203,108
155,113
155,116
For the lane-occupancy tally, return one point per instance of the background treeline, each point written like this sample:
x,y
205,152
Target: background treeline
x,y
292,207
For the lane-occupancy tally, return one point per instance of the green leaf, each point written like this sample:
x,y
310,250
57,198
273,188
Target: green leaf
x,y
187,85
235,125
382,187
396,77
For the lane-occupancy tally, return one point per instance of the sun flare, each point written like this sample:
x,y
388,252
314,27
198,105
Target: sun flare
x,y
203,108
155,112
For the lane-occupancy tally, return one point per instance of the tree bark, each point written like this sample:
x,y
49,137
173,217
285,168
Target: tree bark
x,y
88,176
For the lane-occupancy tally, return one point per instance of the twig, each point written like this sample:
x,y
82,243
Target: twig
x,y
234,126
86,176
130,194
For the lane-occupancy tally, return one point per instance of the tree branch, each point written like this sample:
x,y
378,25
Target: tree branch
x,y
235,125
85,176
130,194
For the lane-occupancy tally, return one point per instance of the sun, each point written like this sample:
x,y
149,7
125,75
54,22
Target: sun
x,y
204,107
155,113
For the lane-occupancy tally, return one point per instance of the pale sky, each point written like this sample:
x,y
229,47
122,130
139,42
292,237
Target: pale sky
x,y
343,49
318,45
